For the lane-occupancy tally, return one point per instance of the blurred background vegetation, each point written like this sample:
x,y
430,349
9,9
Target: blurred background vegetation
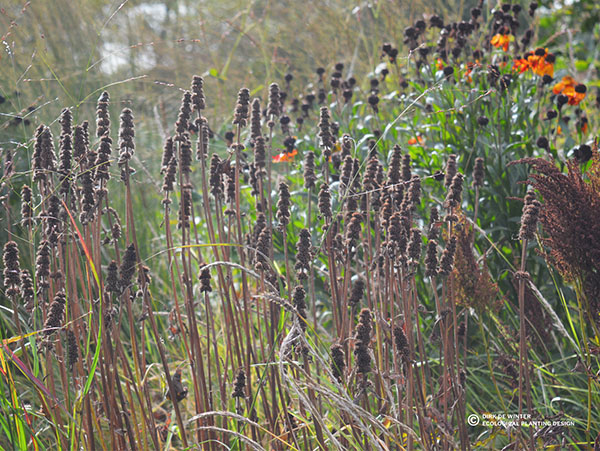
x,y
64,53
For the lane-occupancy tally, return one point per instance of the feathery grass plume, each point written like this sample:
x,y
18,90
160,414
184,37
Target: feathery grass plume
x,y
205,279
478,172
72,349
27,291
185,207
56,314
283,205
357,293
239,387
447,260
299,302
168,151
568,216
126,140
362,341
402,344
453,198
26,206
529,219
170,175
198,99
255,116
325,203
325,136
216,177
102,115
450,170
185,114
273,104
12,270
338,362
240,116
303,254
66,151
431,262
473,285
42,264
127,268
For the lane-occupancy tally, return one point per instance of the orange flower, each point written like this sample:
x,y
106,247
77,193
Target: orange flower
x,y
501,40
566,82
559,130
283,157
414,140
573,90
541,62
521,65
440,64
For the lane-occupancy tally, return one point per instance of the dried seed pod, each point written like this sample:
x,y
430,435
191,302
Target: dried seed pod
x,y
240,116
26,206
338,362
356,294
198,99
401,343
450,170
239,387
478,172
431,262
127,269
453,198
325,202
303,255
12,270
529,219
205,279
309,170
102,116
447,260
283,205
56,314
299,302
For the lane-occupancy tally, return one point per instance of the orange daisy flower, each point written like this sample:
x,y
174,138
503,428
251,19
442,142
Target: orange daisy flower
x,y
501,40
567,82
521,65
573,90
414,140
283,157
